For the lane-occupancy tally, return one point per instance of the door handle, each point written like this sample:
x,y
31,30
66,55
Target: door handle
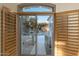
x,y
23,43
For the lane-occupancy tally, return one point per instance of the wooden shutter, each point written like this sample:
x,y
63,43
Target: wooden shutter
x,y
72,44
67,33
9,32
60,33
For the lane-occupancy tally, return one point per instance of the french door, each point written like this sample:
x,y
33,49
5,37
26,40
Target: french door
x,y
36,34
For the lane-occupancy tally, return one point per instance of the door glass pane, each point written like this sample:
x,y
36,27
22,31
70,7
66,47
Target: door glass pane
x,y
44,35
37,9
28,34
36,34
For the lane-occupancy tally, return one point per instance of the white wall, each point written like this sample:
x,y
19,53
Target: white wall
x,y
12,6
59,6
66,6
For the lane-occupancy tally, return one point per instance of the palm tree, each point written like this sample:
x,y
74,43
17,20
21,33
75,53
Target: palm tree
x,y
31,24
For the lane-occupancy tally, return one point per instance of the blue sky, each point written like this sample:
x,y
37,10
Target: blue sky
x,y
41,18
37,9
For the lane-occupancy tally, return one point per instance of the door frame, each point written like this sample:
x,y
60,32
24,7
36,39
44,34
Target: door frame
x,y
35,13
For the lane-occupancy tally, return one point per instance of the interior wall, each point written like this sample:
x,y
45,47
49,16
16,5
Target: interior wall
x,y
11,6
66,6
59,6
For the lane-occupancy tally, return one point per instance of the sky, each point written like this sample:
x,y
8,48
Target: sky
x,y
42,18
37,9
